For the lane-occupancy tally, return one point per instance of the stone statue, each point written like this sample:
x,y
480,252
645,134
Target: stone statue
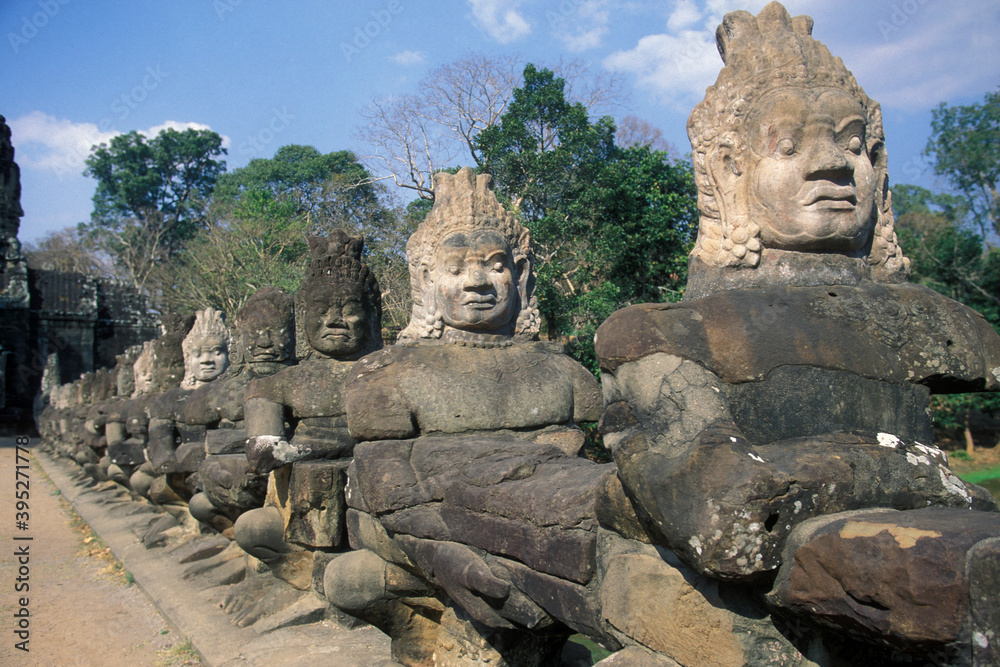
x,y
793,380
211,423
158,368
205,350
470,398
475,319
295,419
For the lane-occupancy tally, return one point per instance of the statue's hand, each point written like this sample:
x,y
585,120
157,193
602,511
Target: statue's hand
x,y
468,580
268,452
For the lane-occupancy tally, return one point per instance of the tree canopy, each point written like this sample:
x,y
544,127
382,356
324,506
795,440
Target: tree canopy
x,y
151,196
965,145
610,225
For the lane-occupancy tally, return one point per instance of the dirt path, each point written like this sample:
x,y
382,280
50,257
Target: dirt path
x,y
82,610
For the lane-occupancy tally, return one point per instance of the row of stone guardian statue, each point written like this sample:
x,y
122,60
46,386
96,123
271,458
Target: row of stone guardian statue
x,y
775,497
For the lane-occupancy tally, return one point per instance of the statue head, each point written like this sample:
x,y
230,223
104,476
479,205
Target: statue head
x,y
205,349
470,265
160,366
338,306
143,370
789,152
125,375
263,332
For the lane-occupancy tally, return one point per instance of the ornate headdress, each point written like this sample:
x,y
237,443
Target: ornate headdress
x,y
336,259
208,324
464,202
761,54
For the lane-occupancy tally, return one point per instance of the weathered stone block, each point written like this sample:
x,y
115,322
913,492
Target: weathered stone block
x,y
897,577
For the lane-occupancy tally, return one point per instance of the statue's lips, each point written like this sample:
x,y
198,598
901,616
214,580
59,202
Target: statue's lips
x,y
480,301
265,355
835,197
337,333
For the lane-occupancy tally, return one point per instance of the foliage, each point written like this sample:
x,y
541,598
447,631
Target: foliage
x,y
258,222
256,241
965,144
69,250
947,256
324,188
610,225
415,135
151,196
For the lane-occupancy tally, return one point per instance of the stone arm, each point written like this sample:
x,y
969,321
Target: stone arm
x,y
697,485
375,401
587,400
161,441
267,446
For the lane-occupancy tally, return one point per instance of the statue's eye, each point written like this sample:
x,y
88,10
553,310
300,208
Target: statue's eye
x,y
498,267
854,144
786,146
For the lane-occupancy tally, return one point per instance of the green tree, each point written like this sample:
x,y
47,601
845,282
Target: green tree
x,y
965,144
321,186
610,226
151,196
256,241
260,217
68,250
949,258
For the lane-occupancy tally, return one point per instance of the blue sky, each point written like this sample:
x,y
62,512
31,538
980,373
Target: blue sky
x,y
266,74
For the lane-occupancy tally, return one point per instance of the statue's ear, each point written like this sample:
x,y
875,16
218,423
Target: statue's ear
x,y
725,168
522,271
425,281
726,164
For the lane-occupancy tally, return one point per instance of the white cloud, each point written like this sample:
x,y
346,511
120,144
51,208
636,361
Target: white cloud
x,y
61,146
676,67
580,25
920,62
58,145
685,14
408,57
500,19
679,64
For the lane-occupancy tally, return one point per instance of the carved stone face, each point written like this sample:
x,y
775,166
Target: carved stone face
x,y
336,320
474,281
209,359
808,180
143,373
268,344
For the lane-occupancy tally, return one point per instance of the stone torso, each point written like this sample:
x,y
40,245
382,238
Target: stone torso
x,y
403,391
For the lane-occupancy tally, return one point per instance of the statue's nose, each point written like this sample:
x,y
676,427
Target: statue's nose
x,y
475,278
827,156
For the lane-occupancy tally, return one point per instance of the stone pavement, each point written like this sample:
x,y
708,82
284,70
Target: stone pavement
x,y
207,592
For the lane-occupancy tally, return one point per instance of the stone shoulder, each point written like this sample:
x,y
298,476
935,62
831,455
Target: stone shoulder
x,y
897,333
